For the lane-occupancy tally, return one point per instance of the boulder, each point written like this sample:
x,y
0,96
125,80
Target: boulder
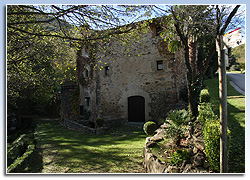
x,y
172,169
198,159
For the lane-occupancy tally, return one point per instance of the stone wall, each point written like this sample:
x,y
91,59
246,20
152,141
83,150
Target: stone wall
x,y
197,164
77,126
136,75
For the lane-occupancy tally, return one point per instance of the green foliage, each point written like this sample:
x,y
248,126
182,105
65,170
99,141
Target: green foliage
x,y
99,122
19,152
239,53
204,96
149,128
18,147
36,66
242,66
211,131
235,67
174,46
178,123
178,117
21,162
178,157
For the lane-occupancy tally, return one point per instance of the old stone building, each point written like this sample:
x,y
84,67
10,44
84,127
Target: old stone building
x,y
137,83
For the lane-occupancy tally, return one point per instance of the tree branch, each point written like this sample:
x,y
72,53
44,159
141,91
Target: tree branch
x,y
222,31
100,36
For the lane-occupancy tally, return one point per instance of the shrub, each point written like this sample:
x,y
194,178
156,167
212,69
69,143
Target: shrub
x,y
179,117
178,121
204,96
211,131
149,128
235,67
99,122
22,162
242,66
18,147
178,157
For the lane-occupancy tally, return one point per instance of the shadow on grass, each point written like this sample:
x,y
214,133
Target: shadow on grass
x,y
75,152
236,121
236,157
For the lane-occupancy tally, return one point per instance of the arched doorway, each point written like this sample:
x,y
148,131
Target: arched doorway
x,y
136,109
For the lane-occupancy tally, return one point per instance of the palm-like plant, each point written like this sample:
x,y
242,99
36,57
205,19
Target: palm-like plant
x,y
178,121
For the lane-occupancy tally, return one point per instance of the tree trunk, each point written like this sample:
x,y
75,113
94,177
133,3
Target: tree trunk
x,y
193,56
223,105
193,97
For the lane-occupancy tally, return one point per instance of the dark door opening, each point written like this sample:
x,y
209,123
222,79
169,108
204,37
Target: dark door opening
x,y
136,109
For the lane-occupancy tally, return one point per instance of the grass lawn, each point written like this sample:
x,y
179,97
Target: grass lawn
x,y
236,123
66,151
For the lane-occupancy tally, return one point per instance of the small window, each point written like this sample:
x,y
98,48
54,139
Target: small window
x,y
159,65
158,30
87,100
107,70
86,73
81,109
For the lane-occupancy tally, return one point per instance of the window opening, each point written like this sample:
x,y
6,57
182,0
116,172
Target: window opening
x,y
81,109
86,73
107,70
87,100
159,65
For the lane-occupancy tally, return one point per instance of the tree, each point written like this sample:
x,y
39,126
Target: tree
x,y
35,67
39,39
193,24
190,32
220,31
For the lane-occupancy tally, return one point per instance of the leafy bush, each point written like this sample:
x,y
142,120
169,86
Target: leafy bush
x,y
211,131
178,121
149,128
204,96
179,117
99,122
20,152
235,67
18,147
242,66
22,162
178,157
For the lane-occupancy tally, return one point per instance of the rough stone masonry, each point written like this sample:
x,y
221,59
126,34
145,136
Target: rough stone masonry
x,y
137,86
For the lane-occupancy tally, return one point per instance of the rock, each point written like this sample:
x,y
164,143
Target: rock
x,y
206,164
156,138
198,143
195,150
164,126
150,144
200,170
187,168
172,169
198,159
151,163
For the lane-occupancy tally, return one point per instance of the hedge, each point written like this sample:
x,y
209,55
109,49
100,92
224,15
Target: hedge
x,y
19,154
22,162
211,131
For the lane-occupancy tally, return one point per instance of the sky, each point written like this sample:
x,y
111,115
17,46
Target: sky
x,y
3,75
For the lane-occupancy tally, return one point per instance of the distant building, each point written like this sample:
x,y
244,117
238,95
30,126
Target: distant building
x,y
232,39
